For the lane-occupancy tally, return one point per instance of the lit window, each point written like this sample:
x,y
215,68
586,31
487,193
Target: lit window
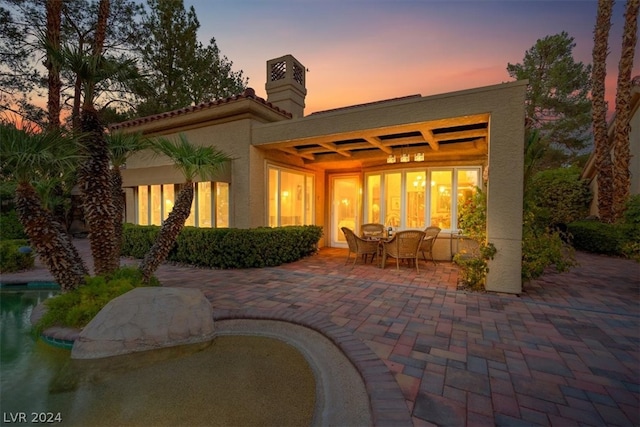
x,y
222,204
440,199
155,207
415,195
157,201
291,195
413,199
143,205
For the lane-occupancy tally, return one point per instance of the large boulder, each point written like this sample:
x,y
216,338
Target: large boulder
x,y
145,319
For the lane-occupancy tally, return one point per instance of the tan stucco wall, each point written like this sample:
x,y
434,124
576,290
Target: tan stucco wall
x,y
232,138
505,103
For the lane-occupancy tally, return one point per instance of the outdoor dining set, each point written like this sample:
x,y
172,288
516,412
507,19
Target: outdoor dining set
x,y
378,242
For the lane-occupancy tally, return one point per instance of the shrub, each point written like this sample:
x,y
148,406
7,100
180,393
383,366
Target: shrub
x,y
11,259
543,246
225,248
561,196
631,214
11,226
472,219
620,239
76,308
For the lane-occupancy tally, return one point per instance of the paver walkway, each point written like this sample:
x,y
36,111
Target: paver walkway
x,y
564,352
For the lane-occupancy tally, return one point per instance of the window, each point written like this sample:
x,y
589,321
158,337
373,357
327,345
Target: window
x,y
155,202
291,195
413,199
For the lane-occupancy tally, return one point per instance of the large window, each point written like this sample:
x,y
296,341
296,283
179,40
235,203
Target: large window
x,y
413,199
210,204
291,195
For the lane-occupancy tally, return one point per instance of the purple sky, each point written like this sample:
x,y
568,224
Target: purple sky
x,y
367,50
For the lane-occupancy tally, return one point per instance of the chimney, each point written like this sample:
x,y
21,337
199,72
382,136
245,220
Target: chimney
x,y
286,84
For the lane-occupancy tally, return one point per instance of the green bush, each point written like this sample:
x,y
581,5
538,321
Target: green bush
x,y
560,195
76,308
10,226
621,239
472,219
631,214
11,259
224,248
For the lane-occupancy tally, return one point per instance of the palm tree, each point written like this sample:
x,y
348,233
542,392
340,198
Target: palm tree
x,y
95,176
622,151
54,15
121,147
604,165
193,161
28,154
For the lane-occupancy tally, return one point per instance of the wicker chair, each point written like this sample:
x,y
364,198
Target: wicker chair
x,y
359,246
403,245
430,236
372,230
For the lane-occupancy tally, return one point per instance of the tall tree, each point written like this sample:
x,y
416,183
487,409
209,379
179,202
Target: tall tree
x,y
31,156
557,103
193,161
95,177
121,147
24,26
54,16
602,146
621,148
181,71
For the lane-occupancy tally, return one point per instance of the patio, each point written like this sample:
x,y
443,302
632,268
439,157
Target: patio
x,y
564,352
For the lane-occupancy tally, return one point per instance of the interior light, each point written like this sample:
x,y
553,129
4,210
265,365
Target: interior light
x,y
419,157
391,158
404,158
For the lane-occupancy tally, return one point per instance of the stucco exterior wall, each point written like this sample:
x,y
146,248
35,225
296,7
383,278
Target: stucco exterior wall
x,y
504,102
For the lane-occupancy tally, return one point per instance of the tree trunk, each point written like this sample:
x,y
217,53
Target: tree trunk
x,y
96,185
622,151
604,166
54,13
119,206
50,240
169,232
101,27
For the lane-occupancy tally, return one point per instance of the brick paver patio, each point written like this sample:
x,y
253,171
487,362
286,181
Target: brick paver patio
x,y
564,352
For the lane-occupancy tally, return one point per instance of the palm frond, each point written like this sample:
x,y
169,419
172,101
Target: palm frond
x,y
123,145
28,154
192,160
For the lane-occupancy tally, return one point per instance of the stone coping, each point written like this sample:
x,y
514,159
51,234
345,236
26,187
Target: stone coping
x,y
388,406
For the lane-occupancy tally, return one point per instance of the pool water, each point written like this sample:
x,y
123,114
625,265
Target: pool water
x,y
25,362
234,380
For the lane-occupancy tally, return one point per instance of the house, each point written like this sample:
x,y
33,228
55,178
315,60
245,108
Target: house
x,y
589,171
406,162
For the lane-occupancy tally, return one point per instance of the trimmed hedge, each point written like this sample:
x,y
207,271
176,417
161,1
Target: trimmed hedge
x,y
602,238
224,248
11,259
10,226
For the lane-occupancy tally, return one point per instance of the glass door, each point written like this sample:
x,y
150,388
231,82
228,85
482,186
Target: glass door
x,y
345,192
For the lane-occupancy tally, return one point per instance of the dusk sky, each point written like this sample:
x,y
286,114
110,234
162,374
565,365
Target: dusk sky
x,y
361,51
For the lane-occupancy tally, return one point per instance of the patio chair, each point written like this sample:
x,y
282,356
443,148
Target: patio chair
x,y
359,246
372,230
430,236
403,245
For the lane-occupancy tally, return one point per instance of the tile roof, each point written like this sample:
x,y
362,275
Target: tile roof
x,y
248,93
